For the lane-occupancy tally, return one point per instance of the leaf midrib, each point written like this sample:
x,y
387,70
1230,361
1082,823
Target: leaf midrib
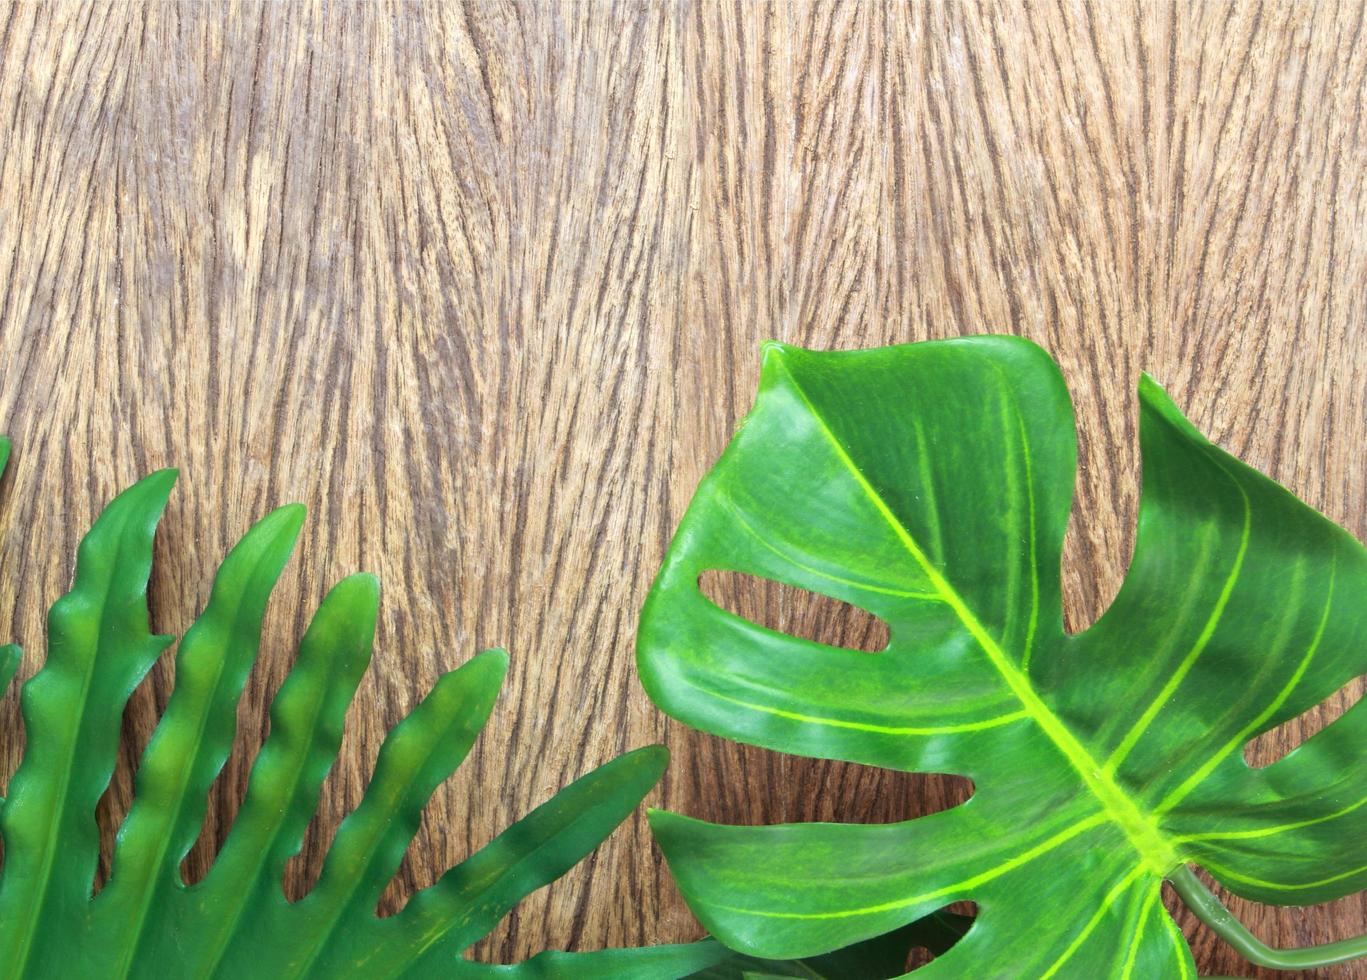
x,y
154,869
34,912
371,844
429,937
251,876
1122,810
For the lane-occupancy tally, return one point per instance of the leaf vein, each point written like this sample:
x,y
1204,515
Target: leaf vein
x,y
1101,912
1136,732
1141,831
1025,857
972,726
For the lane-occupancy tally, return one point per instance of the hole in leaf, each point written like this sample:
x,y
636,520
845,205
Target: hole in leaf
x,y
841,792
1098,547
794,611
1276,744
939,932
727,782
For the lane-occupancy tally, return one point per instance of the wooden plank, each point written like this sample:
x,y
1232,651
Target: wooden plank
x,y
483,286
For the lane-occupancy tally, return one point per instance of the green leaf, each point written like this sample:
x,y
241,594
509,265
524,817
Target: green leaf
x,y
931,485
650,963
192,742
472,897
99,648
147,922
879,958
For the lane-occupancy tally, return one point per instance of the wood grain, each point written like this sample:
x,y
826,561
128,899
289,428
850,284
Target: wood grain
x,y
483,286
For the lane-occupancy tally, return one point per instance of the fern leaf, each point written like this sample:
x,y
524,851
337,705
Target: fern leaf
x,y
147,922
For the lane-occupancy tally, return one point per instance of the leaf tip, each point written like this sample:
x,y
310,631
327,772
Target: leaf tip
x,y
658,752
484,672
359,592
1149,386
362,584
157,485
495,657
147,497
771,353
665,826
280,526
291,514
164,477
1155,402
652,759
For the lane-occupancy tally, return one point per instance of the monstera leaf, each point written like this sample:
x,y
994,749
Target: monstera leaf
x,y
879,958
146,922
930,484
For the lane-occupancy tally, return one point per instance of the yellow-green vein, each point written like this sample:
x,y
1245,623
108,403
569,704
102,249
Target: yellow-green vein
x,y
1271,831
1141,831
1179,947
968,726
1224,872
739,517
1245,733
1140,929
1102,911
1212,622
982,878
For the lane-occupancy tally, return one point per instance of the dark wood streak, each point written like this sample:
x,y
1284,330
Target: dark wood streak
x,y
483,286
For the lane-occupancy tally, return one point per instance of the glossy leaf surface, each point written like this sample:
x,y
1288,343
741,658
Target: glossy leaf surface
x,y
236,922
879,958
931,485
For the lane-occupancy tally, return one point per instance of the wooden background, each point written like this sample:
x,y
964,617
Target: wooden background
x,y
483,286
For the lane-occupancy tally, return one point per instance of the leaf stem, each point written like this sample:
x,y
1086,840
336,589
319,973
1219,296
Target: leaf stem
x,y
1213,913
